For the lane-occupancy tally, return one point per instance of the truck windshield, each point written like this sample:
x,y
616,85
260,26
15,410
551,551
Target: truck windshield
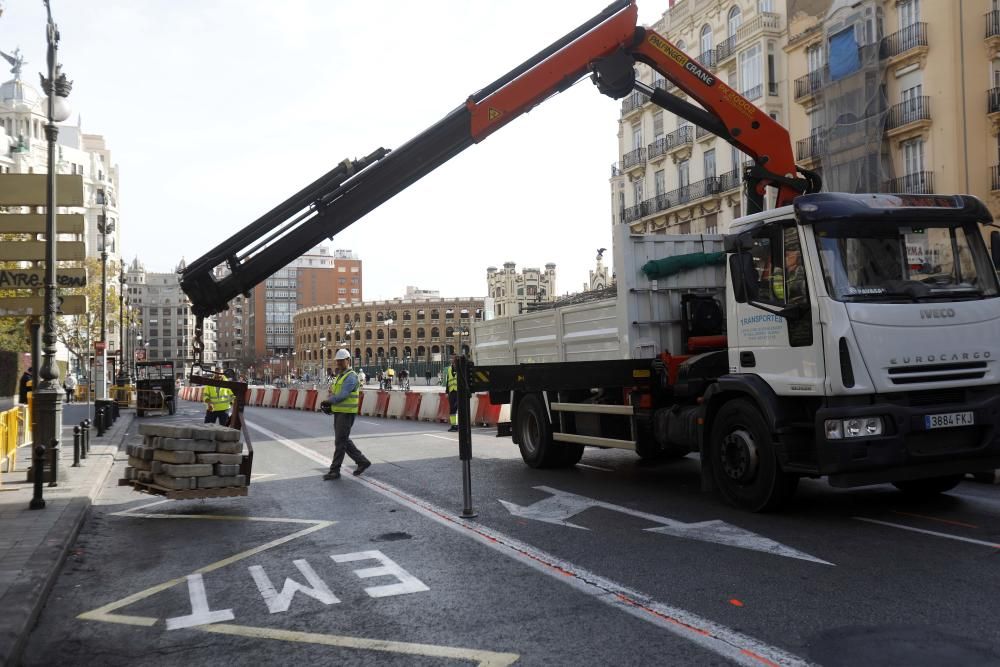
x,y
886,262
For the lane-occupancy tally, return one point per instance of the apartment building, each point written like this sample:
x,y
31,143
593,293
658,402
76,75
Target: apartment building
x,y
898,95
673,177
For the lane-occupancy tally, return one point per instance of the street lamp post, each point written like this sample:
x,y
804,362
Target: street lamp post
x,y
48,395
104,226
322,340
122,370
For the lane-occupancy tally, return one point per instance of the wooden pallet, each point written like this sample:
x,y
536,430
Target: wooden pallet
x,y
184,494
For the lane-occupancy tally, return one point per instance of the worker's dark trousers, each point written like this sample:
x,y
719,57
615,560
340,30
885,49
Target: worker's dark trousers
x,y
453,408
221,416
342,443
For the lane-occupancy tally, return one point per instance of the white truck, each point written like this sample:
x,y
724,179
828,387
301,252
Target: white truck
x,y
841,356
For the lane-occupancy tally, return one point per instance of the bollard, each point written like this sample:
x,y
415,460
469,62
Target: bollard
x,y
54,453
77,445
85,448
100,421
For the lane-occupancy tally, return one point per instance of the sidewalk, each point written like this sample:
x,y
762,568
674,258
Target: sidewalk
x,y
34,543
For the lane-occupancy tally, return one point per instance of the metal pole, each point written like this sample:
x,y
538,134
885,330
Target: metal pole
x,y
77,443
465,437
122,381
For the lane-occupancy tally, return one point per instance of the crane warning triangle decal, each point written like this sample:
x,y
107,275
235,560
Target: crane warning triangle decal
x,y
495,113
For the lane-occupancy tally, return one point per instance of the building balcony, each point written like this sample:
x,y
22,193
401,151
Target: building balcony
x,y
660,202
772,88
908,43
633,103
663,84
635,159
806,86
701,133
725,50
632,213
993,101
808,150
730,180
679,138
707,58
657,149
992,25
995,178
918,183
754,93
914,114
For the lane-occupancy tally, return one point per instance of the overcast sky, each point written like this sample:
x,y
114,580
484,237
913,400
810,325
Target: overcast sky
x,y
217,110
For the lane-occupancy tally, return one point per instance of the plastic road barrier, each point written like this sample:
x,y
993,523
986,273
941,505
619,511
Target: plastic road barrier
x,y
412,407
395,404
428,411
368,403
293,397
381,403
312,400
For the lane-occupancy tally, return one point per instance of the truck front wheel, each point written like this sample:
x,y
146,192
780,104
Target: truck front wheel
x,y
535,435
744,464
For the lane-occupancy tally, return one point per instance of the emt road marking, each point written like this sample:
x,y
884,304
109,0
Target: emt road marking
x,y
740,648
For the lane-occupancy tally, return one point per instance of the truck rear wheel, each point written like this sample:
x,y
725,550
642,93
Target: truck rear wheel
x,y
932,486
744,464
535,436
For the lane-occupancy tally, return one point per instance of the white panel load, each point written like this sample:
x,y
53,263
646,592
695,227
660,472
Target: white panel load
x,y
642,321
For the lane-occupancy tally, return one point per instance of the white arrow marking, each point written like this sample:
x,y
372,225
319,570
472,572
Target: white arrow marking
x,y
563,505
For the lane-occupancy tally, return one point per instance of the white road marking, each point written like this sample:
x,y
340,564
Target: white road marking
x,y
280,602
371,423
200,612
562,505
441,437
930,532
389,568
724,641
593,467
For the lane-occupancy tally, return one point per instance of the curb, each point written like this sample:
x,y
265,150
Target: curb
x,y
32,592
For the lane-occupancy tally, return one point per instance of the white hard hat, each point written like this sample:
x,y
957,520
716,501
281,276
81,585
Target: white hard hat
x,y
342,354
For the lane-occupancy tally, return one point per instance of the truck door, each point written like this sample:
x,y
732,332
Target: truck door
x,y
783,350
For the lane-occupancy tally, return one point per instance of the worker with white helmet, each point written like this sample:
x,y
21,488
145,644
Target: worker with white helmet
x,y
343,403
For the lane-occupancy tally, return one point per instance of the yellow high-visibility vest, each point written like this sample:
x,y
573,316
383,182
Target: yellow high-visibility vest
x,y
350,404
219,399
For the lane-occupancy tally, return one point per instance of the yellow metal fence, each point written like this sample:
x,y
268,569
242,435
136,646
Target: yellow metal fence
x,y
15,430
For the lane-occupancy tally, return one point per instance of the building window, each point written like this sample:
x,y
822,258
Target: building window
x,y
913,156
709,163
751,72
909,13
657,125
637,191
636,135
706,38
660,182
734,21
765,5
815,58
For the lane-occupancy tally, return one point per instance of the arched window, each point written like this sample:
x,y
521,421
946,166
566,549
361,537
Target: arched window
x,y
449,314
357,352
368,317
381,334
393,352
734,21
465,350
381,352
435,314
435,332
420,314
337,319
328,320
379,316
368,353
449,332
392,334
464,314
406,316
357,317
706,38
451,350
421,350
391,315
407,352
368,334
435,349
420,332
406,334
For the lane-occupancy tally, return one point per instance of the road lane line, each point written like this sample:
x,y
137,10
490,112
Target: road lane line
x,y
930,532
483,658
934,518
441,437
593,467
719,639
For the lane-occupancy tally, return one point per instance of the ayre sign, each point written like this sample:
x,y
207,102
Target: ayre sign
x,y
30,279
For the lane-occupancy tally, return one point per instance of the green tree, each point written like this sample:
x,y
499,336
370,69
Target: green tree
x,y
77,331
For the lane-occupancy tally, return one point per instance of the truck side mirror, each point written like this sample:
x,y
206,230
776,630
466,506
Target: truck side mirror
x,y
995,248
738,242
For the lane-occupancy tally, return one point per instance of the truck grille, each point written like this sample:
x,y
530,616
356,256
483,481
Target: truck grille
x,y
971,370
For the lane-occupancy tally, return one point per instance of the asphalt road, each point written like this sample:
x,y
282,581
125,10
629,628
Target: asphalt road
x,y
612,562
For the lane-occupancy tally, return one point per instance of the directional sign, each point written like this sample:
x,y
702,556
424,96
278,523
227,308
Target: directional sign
x,y
34,278
563,505
32,190
74,304
34,223
34,251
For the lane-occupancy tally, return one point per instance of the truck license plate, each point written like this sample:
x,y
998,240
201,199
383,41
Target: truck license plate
x,y
949,420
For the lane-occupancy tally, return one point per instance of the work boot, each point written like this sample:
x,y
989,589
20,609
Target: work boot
x,y
452,428
362,467
333,474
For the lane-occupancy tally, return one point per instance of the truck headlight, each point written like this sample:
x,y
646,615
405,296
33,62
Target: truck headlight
x,y
854,427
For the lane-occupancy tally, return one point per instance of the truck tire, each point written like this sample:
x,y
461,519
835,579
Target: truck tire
x,y
932,486
744,464
536,445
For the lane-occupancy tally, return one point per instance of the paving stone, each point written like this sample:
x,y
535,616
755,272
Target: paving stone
x,y
129,472
140,464
156,467
205,432
145,453
202,445
165,430
144,475
220,458
176,483
226,434
169,456
215,482
226,469
188,470
229,447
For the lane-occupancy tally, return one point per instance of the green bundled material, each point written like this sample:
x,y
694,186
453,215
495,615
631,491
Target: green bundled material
x,y
668,266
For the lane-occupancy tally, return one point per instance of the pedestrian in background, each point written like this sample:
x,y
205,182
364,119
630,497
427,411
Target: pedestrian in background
x,y
70,386
217,400
24,386
343,403
451,386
